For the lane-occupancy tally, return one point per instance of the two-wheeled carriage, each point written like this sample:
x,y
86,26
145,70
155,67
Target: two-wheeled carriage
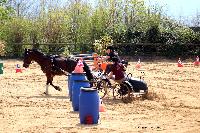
x,y
126,91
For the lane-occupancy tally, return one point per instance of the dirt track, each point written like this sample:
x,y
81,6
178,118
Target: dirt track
x,y
24,108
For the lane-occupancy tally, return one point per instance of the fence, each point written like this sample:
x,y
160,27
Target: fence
x,y
48,48
158,49
51,48
129,49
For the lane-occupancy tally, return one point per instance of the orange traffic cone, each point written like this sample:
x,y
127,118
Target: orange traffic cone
x,y
79,66
101,106
180,63
138,65
197,63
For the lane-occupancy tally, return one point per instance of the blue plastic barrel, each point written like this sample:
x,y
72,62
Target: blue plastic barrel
x,y
89,106
75,76
76,92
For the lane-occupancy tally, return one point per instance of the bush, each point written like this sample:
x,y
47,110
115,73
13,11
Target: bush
x,y
153,34
2,49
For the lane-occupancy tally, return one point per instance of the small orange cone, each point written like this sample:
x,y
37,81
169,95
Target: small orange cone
x,y
101,106
197,63
138,65
180,63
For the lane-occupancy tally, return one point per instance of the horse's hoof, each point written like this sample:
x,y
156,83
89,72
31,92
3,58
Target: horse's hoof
x,y
45,93
58,88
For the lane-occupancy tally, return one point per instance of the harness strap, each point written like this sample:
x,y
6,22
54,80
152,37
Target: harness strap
x,y
54,64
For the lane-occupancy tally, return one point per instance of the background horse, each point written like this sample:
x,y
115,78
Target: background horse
x,y
53,65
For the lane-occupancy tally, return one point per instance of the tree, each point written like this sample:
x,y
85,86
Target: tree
x,y
5,11
196,20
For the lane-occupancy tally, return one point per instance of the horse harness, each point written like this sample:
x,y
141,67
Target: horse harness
x,y
54,65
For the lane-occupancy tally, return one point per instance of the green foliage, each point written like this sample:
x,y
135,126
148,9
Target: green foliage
x,y
81,25
101,44
5,16
196,38
15,34
2,49
5,11
153,34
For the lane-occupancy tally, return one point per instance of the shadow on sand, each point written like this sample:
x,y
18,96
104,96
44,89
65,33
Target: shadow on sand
x,y
49,97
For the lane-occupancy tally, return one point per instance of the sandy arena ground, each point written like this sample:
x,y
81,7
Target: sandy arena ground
x,y
176,109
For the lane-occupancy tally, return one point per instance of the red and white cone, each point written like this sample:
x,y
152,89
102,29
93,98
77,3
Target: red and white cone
x,y
18,69
197,63
180,63
138,65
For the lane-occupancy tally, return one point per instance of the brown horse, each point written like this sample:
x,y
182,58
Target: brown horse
x,y
53,65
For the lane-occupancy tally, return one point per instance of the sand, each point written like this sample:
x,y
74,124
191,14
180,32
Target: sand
x,y
174,108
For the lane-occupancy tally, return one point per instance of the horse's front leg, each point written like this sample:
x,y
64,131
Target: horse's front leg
x,y
49,82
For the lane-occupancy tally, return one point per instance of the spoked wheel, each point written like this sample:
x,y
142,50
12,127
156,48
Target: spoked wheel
x,y
116,94
103,88
126,93
128,98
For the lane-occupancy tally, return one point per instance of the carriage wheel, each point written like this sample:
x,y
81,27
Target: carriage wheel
x,y
103,88
128,97
115,89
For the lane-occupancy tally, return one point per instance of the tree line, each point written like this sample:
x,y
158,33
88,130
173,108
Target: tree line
x,y
81,24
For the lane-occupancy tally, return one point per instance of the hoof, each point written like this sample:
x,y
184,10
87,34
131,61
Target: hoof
x,y
58,88
45,93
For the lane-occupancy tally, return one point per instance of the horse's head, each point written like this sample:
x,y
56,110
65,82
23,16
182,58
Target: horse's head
x,y
27,58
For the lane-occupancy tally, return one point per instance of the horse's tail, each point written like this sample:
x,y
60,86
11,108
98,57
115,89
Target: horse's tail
x,y
88,72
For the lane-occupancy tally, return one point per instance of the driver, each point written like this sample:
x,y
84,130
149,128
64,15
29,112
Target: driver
x,y
111,53
117,70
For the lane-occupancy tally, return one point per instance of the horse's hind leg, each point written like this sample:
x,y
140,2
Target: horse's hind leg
x,y
47,87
